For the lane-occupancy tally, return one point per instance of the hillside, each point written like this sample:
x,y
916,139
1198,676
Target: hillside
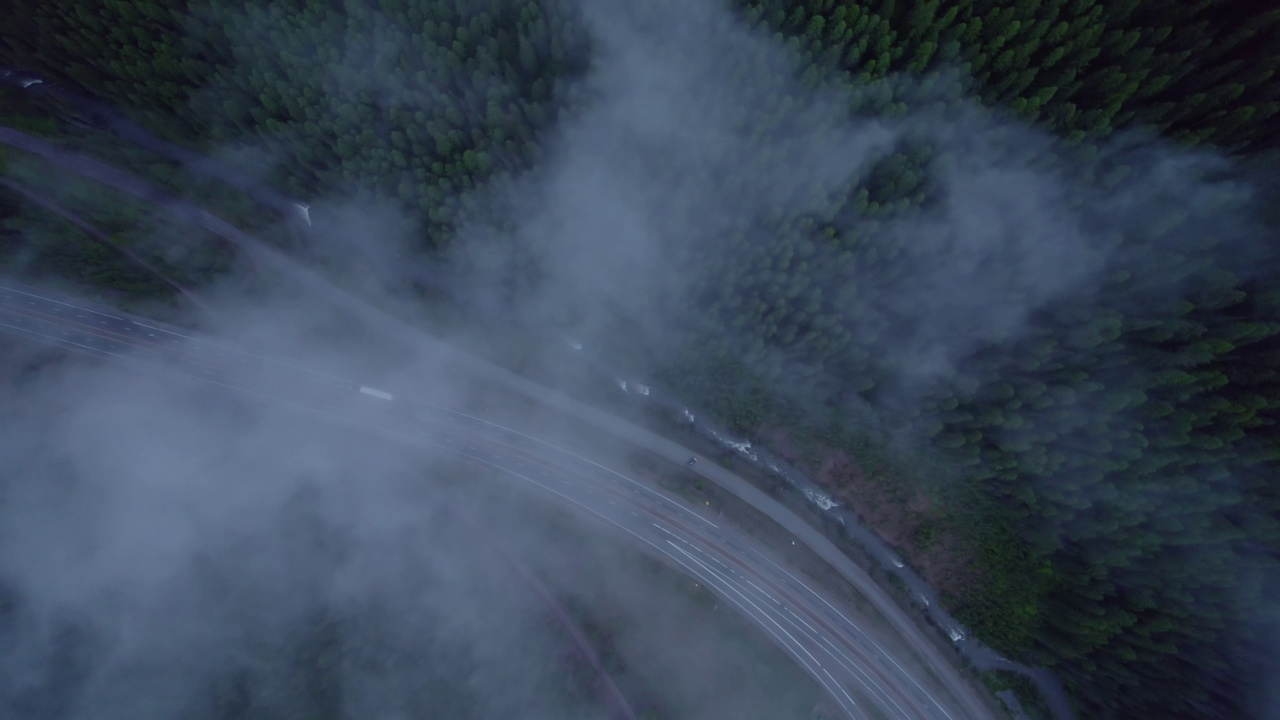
x,y
1033,245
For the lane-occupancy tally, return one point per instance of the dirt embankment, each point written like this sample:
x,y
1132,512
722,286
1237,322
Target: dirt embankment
x,y
907,519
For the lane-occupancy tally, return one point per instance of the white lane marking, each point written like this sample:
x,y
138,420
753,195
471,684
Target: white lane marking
x,y
731,586
96,351
691,570
781,641
383,430
641,488
864,635
59,302
837,653
582,460
701,549
757,587
131,321
841,657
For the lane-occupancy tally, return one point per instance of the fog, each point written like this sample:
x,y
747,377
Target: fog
x,y
691,152
166,543
162,540
173,548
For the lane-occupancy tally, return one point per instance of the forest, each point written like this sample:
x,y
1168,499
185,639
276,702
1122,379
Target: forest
x,y
1116,456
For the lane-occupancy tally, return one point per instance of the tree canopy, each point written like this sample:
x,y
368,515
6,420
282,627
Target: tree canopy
x,y
1121,442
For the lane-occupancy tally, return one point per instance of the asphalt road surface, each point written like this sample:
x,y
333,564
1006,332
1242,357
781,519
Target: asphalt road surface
x,y
378,319
856,670
105,118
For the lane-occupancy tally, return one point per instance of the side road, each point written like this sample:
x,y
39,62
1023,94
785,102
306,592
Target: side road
x,y
86,111
101,238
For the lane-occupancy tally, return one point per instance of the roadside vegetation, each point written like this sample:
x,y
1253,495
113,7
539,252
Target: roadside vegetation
x,y
1095,493
39,213
1032,705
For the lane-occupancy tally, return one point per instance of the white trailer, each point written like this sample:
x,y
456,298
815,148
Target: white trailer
x,y
380,394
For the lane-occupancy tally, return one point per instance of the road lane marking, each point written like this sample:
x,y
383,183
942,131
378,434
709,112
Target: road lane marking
x,y
579,458
775,622
837,653
382,430
852,665
130,323
861,640
96,351
640,490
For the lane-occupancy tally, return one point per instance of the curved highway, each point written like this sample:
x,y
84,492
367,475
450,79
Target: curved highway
x,y
104,117
322,288
857,672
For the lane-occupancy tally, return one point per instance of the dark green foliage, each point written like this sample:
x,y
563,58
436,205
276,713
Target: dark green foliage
x,y
44,243
1118,453
1033,704
326,89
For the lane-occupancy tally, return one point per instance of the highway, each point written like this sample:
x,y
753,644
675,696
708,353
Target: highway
x,y
975,701
858,674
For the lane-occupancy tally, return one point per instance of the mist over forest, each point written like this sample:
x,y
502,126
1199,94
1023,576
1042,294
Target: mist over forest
x,y
1012,263
169,551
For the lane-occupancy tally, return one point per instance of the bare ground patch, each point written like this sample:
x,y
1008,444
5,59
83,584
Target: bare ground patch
x,y
906,518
